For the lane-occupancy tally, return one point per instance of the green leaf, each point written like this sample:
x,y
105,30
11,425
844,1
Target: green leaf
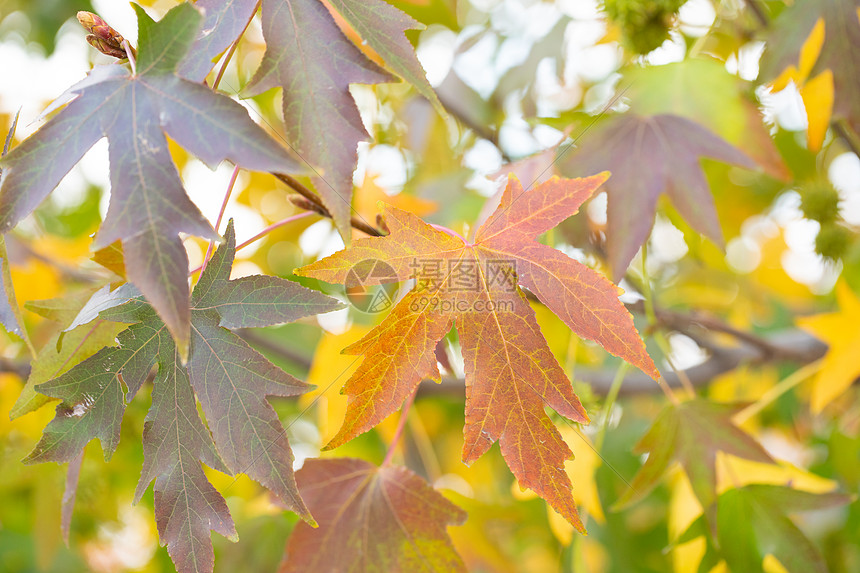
x,y
231,380
315,70
92,393
253,301
752,523
149,207
53,360
163,44
691,433
64,309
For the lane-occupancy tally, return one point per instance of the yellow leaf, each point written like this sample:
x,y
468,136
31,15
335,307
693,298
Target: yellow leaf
x,y
841,333
772,565
817,97
734,472
684,508
744,384
817,93
809,53
27,428
329,371
581,471
370,193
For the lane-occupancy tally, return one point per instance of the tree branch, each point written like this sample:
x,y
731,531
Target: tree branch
x,y
317,205
801,347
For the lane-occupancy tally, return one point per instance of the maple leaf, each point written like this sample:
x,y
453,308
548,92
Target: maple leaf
x,y
149,207
691,433
752,523
371,519
839,330
52,360
832,28
175,441
702,90
223,23
383,27
8,304
309,57
230,380
510,372
649,156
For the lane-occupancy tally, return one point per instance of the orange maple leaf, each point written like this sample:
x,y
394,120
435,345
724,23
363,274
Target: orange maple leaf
x,y
511,375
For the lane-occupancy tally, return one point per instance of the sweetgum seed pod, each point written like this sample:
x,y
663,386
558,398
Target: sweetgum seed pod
x,y
832,241
819,201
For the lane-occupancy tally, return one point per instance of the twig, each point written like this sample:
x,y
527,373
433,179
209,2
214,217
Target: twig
x,y
482,131
20,368
296,186
658,335
227,194
69,272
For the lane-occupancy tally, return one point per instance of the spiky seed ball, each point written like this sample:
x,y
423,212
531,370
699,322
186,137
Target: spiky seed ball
x,y
819,201
832,241
645,24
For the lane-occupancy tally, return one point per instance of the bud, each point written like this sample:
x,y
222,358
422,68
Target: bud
x,y
306,204
99,28
88,20
102,37
105,48
381,225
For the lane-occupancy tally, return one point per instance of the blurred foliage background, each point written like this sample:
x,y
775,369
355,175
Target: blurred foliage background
x,y
520,77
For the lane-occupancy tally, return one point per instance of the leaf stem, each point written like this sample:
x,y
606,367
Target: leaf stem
x,y
401,424
233,47
129,52
608,404
272,227
658,337
227,195
451,232
265,232
775,392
